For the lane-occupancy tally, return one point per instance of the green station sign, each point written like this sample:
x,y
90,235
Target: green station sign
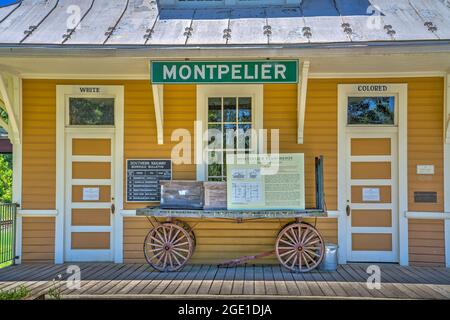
x,y
197,72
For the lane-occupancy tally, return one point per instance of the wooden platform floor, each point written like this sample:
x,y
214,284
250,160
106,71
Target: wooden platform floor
x,y
120,281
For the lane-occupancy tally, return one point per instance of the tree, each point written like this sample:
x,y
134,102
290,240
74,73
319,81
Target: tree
x,y
5,178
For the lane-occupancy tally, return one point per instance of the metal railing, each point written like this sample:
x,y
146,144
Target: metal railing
x,y
8,213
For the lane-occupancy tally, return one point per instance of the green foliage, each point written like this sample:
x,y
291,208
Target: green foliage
x,y
54,293
91,111
14,294
371,110
5,178
4,115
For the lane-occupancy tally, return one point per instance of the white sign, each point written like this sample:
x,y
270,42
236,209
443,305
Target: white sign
x,y
371,194
273,181
425,169
91,194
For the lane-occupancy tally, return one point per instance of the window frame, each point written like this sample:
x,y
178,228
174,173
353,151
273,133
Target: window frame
x,y
224,150
254,91
372,95
89,96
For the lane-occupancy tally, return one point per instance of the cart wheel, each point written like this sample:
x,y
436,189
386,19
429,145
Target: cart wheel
x,y
299,247
189,230
168,247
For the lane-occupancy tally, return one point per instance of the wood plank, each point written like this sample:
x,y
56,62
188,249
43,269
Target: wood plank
x,y
411,282
115,285
402,290
249,279
238,283
269,281
208,280
147,272
324,286
387,290
99,283
196,277
149,286
316,291
100,270
227,284
302,285
217,282
279,281
334,285
164,283
30,277
290,282
179,279
348,288
342,270
58,284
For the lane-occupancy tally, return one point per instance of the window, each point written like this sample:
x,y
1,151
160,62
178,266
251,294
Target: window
x,y
371,111
91,111
230,120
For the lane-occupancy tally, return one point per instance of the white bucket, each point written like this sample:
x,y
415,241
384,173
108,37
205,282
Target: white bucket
x,y
330,258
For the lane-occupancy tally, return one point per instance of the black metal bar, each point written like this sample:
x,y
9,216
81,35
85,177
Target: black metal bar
x,y
319,183
8,232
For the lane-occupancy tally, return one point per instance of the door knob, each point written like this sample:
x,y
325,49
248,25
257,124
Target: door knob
x,y
113,208
348,210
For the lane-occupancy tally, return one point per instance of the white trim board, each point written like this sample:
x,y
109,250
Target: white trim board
x,y
37,213
428,215
17,172
302,91
447,168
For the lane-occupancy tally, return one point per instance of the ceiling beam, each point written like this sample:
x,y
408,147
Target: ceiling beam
x,y
10,97
158,103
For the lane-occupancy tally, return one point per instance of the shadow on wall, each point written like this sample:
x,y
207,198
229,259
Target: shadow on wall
x,y
307,8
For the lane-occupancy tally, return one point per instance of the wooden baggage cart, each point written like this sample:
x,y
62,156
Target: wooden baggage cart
x,y
299,246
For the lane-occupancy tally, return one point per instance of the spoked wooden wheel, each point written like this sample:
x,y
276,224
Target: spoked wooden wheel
x,y
300,247
168,247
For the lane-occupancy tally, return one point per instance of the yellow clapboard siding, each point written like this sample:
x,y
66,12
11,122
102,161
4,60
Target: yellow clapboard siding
x,y
38,239
426,242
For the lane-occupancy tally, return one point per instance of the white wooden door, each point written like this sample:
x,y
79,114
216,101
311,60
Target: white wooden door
x,y
372,195
89,194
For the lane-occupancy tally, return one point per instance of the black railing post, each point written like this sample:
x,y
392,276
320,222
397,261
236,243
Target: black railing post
x,y
8,216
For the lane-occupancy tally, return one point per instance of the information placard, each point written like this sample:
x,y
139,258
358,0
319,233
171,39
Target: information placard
x,y
266,182
143,176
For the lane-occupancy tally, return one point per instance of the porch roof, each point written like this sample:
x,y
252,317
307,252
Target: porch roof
x,y
118,23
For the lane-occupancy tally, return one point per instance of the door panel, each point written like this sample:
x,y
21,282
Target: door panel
x,y
371,147
91,217
104,193
91,147
371,218
372,242
91,240
91,170
372,196
89,196
385,194
371,170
